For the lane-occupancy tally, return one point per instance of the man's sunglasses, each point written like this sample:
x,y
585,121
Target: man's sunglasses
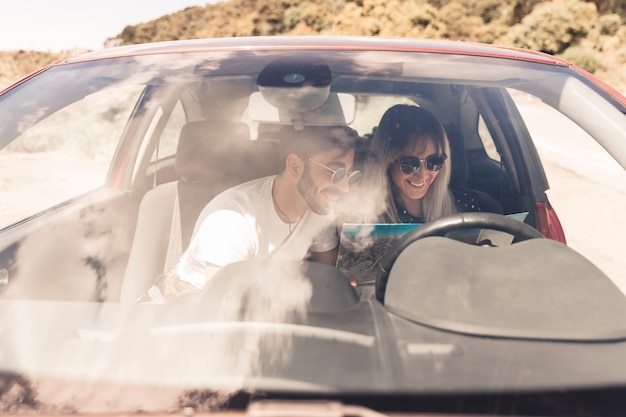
x,y
410,165
340,173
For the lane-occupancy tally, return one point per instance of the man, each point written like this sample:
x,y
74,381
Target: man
x,y
288,215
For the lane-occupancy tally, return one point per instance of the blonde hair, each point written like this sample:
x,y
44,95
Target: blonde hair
x,y
398,127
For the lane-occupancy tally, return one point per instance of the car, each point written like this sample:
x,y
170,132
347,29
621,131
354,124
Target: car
x,y
109,157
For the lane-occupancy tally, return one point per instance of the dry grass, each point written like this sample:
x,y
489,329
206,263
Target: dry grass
x,y
17,64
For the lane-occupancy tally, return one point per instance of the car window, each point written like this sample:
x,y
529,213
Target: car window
x,y
169,138
371,108
64,155
487,140
587,186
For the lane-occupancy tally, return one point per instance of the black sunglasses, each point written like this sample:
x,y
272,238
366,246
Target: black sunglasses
x,y
340,173
410,165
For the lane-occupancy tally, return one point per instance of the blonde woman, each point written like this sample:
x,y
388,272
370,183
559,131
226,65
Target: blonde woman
x,y
406,171
410,160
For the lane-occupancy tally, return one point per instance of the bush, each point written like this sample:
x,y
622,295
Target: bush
x,y
609,25
584,58
611,6
389,18
553,27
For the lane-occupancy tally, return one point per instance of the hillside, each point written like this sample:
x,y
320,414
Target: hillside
x,y
14,65
591,34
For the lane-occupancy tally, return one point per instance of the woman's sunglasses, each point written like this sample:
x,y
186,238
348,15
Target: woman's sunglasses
x,y
410,165
340,173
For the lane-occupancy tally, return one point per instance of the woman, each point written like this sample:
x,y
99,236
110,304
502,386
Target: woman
x,y
409,160
406,174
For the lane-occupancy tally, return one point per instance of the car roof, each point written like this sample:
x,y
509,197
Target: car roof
x,y
322,43
336,43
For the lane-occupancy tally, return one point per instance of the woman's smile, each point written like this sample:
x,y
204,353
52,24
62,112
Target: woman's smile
x,y
412,187
416,184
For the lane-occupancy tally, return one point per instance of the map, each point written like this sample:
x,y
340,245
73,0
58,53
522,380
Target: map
x,y
363,245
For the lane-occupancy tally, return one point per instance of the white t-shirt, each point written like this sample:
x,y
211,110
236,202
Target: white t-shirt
x,y
241,223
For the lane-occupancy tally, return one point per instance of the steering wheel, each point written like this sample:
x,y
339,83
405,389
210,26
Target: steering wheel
x,y
440,227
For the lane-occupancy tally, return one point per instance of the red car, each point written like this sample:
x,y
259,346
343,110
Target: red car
x,y
514,307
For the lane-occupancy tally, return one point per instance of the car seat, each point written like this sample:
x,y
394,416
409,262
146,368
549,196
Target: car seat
x,y
211,156
460,173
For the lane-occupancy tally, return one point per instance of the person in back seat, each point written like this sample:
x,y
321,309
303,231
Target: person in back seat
x,y
289,215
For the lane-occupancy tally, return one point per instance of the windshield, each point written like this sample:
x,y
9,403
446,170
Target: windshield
x,y
182,228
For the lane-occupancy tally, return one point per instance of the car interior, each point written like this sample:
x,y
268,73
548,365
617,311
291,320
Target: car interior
x,y
214,155
224,134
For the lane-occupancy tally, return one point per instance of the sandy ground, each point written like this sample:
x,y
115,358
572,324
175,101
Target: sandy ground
x,y
592,215
52,178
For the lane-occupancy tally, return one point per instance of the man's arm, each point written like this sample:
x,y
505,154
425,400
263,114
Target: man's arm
x,y
168,287
329,257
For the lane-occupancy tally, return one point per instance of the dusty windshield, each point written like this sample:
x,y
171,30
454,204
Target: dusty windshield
x,y
204,224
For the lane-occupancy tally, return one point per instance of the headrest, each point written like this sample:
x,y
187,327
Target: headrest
x,y
208,147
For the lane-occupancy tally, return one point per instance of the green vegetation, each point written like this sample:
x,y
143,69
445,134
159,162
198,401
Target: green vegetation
x,y
591,34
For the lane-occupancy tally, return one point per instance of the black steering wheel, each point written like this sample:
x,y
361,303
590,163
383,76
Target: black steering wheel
x,y
440,227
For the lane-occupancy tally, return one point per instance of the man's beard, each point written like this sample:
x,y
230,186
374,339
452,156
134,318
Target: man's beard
x,y
310,193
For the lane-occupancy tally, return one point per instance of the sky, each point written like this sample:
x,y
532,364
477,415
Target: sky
x,y
61,25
